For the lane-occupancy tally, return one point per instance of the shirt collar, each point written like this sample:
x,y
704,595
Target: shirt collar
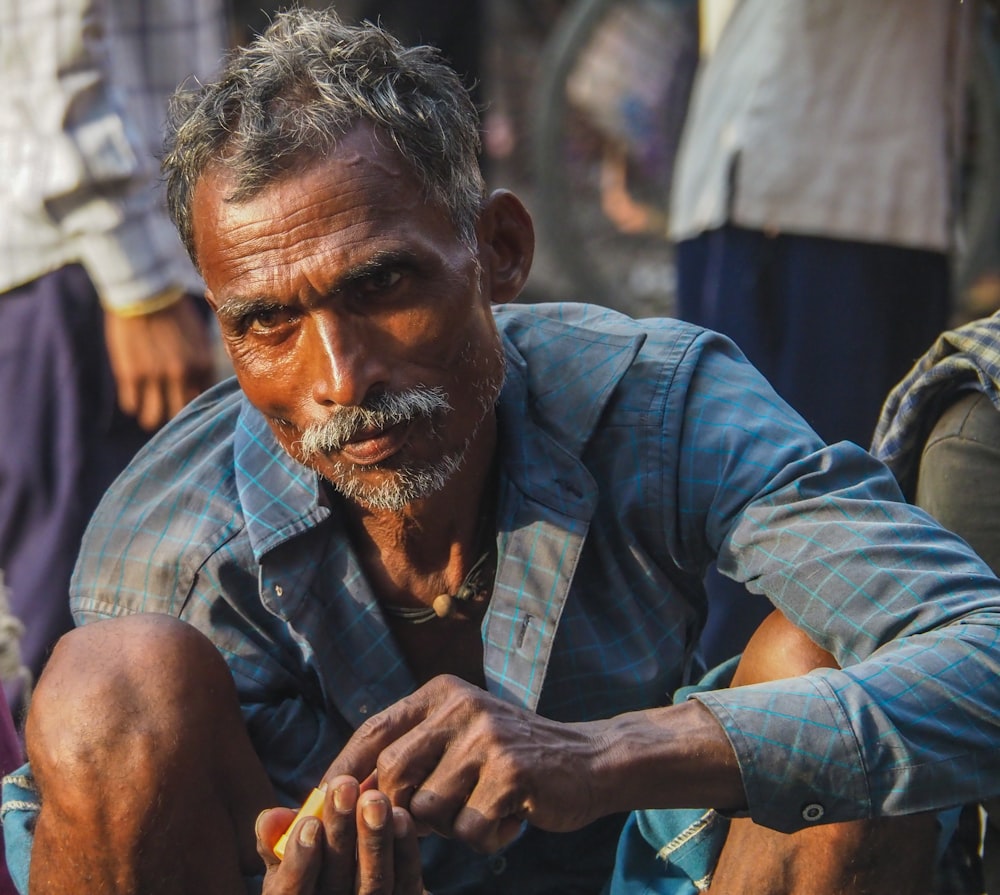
x,y
279,496
553,397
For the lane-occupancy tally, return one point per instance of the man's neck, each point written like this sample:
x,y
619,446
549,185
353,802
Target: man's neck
x,y
430,546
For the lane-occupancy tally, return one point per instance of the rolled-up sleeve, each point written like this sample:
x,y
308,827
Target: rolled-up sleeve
x,y
910,612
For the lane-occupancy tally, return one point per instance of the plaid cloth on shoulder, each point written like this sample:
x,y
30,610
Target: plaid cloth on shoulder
x,y
969,354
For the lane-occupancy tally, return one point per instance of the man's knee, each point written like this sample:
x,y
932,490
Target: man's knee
x,y
779,650
126,690
856,858
138,747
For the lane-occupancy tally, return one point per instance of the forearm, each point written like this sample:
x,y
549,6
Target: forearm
x,y
911,615
673,757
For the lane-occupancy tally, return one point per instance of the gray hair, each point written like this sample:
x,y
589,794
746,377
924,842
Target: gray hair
x,y
284,99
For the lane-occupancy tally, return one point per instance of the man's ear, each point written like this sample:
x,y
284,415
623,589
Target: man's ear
x,y
506,245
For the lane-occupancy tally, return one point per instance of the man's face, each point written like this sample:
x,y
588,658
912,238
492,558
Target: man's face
x,y
357,321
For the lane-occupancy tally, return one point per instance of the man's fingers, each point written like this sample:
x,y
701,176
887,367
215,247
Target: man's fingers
x,y
484,813
406,854
271,824
360,757
380,856
160,361
152,410
375,845
486,834
128,395
340,825
299,872
437,801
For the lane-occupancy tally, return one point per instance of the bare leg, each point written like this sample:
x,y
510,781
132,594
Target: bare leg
x,y
860,858
148,780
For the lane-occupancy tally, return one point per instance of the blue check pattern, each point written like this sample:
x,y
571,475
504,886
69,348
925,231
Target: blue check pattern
x,y
633,453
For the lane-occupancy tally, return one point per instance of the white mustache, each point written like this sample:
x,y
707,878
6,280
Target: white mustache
x,y
378,412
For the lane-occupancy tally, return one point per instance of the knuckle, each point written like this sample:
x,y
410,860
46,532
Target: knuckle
x,y
446,687
486,727
512,771
391,764
433,808
375,726
398,777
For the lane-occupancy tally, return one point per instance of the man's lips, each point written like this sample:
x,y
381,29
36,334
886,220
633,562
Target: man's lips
x,y
367,448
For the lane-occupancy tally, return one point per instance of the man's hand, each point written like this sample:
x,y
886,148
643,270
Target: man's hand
x,y
362,846
468,765
160,360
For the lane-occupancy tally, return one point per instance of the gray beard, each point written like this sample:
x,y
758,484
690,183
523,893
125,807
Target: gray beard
x,y
409,481
377,412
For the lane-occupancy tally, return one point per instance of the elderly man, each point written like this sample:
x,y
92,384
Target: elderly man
x,y
451,547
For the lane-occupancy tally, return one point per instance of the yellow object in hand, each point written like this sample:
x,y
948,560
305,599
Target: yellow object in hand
x,y
312,807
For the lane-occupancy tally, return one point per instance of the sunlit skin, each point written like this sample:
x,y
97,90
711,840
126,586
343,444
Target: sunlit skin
x,y
341,282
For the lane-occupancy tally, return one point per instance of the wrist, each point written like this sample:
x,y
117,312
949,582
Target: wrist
x,y
160,301
673,757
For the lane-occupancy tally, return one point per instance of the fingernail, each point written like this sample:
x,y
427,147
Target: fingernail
x,y
345,798
309,833
400,823
256,823
374,813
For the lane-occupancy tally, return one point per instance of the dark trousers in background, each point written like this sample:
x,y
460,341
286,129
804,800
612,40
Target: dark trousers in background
x,y
63,441
833,325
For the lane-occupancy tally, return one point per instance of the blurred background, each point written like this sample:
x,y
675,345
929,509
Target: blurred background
x,y
584,102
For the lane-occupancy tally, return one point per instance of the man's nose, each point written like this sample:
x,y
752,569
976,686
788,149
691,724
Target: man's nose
x,y
344,362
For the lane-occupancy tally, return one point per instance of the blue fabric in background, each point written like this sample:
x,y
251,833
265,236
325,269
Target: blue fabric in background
x,y
20,806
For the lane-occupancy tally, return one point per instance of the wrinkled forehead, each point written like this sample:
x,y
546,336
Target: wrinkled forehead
x,y
360,176
360,147
319,223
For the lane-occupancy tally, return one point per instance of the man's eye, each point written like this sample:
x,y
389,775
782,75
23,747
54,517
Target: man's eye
x,y
266,320
381,280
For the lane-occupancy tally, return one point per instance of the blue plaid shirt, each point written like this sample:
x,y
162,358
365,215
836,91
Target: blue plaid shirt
x,y
633,453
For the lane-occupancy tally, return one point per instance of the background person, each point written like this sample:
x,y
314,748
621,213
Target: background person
x,y
813,207
101,341
940,435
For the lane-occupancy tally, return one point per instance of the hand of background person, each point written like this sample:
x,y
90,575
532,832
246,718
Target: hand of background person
x,y
362,845
160,361
467,765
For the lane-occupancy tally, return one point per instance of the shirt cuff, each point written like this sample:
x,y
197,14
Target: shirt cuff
x,y
797,752
137,261
166,298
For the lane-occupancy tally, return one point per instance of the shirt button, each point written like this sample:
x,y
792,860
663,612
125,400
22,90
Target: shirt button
x,y
498,864
813,812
